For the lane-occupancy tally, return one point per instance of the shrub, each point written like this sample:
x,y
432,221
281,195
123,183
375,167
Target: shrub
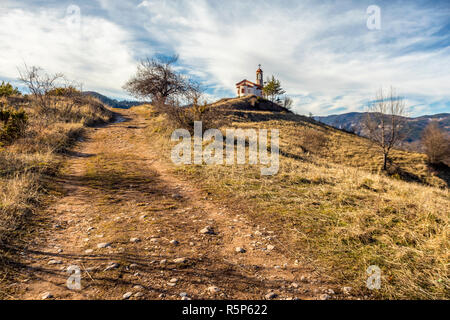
x,y
180,117
13,124
69,91
436,143
6,90
313,140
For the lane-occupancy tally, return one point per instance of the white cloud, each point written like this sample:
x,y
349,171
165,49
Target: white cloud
x,y
324,55
316,50
95,52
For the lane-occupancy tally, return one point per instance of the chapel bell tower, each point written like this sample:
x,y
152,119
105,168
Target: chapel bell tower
x,y
259,76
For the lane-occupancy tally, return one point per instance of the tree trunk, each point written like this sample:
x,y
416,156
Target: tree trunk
x,y
385,158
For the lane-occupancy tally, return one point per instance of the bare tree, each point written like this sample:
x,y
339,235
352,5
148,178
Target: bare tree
x,y
436,143
385,123
156,79
287,102
39,84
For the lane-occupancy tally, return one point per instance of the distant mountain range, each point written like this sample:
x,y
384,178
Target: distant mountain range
x,y
124,104
353,122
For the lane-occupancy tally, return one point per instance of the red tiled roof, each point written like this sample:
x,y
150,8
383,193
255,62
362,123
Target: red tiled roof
x,y
249,83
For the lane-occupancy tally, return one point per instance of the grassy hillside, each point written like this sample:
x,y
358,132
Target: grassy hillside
x,y
330,205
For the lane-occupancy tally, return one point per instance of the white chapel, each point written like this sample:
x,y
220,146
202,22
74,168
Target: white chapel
x,y
247,88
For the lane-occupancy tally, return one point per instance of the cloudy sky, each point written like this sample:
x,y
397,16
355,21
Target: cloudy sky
x,y
323,52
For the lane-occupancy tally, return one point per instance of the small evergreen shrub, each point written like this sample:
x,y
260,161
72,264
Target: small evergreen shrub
x,y
12,124
6,90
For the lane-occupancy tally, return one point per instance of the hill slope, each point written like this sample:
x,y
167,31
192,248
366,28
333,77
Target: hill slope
x,y
329,206
113,103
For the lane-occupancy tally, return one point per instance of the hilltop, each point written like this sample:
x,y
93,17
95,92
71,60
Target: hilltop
x,y
249,103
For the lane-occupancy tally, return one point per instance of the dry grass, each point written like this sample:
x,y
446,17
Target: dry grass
x,y
24,162
333,209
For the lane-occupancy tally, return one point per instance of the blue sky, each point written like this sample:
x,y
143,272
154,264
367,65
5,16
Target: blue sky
x,y
322,51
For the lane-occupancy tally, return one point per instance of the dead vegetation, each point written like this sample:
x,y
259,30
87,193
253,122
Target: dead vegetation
x,y
34,130
436,144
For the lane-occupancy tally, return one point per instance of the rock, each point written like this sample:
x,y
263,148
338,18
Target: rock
x,y
330,291
186,298
154,240
174,242
180,260
207,230
127,295
258,233
183,294
270,295
347,290
59,250
294,285
112,266
55,262
213,289
90,229
163,261
303,279
138,294
104,245
239,250
324,296
270,247
88,251
191,244
162,295
173,280
133,266
138,287
135,240
46,295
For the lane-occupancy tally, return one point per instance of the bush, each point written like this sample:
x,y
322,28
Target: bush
x,y
6,90
184,117
313,140
436,144
13,124
69,91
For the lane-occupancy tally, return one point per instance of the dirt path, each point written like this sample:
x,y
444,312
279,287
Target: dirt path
x,y
118,193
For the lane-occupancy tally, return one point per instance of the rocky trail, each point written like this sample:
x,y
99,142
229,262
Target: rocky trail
x,y
136,231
